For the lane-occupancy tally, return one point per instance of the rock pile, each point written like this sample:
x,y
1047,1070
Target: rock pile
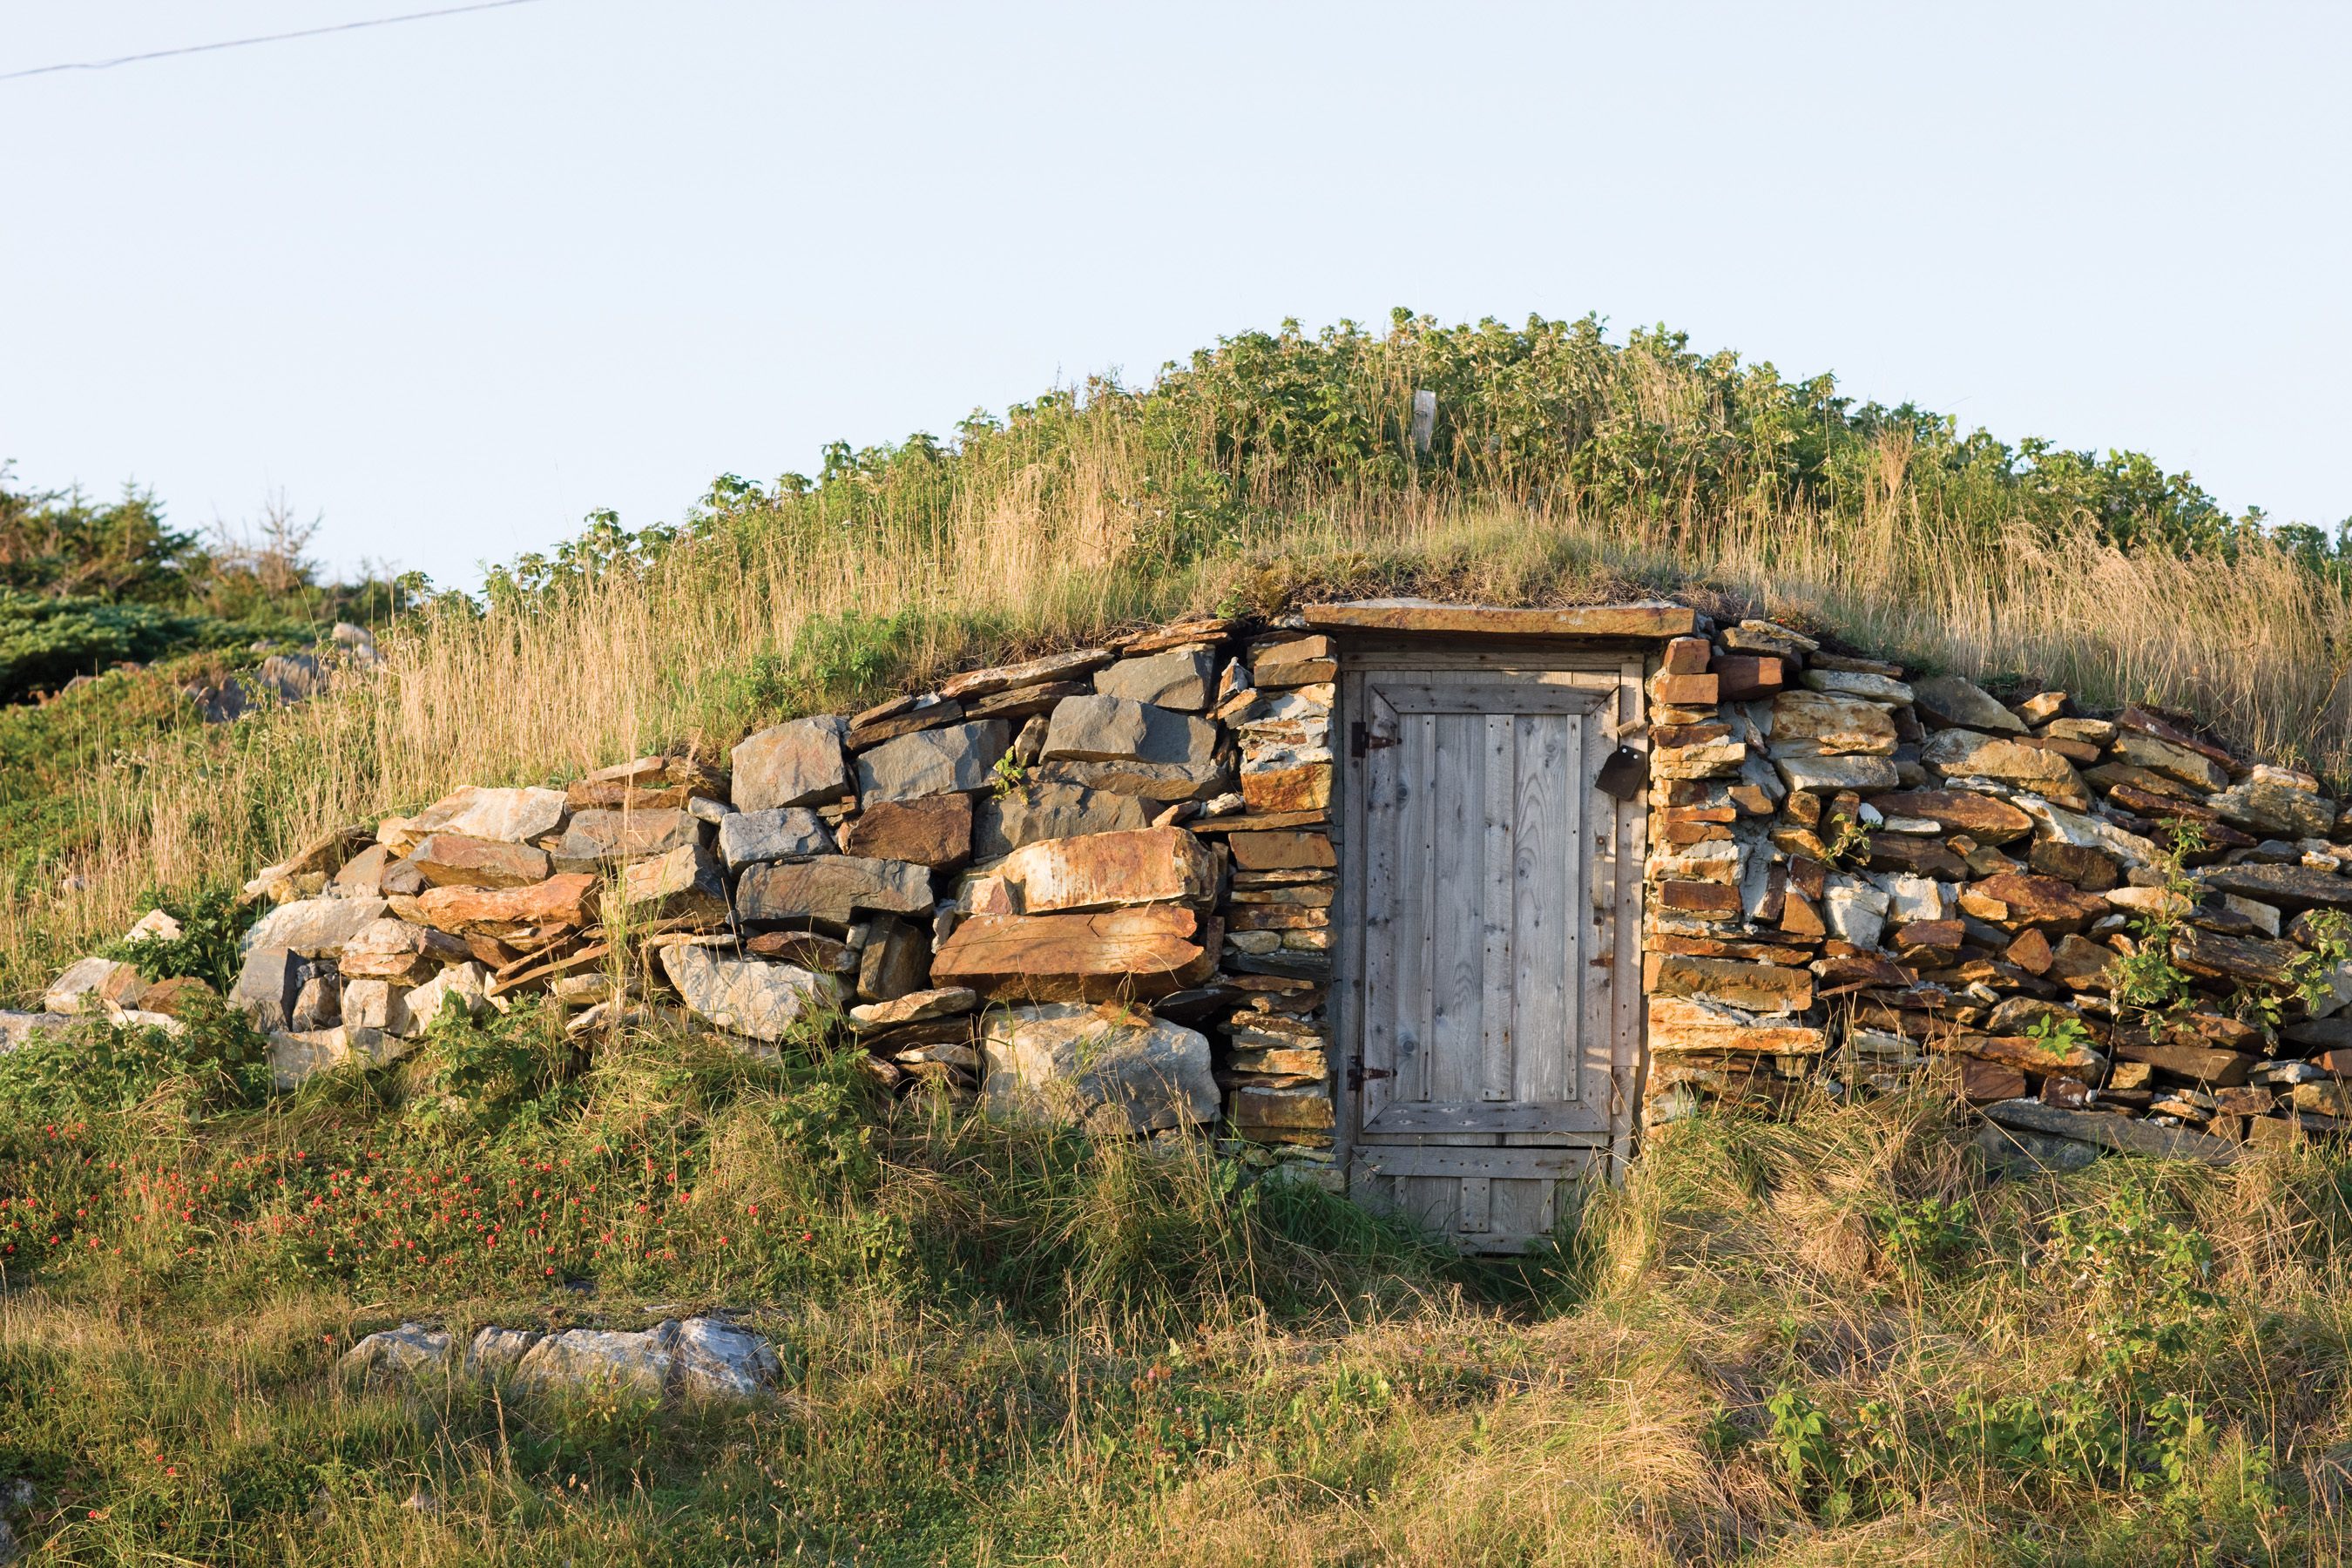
x,y
2106,930
1095,886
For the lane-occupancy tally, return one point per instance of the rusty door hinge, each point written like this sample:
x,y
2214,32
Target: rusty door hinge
x,y
1361,740
1358,1074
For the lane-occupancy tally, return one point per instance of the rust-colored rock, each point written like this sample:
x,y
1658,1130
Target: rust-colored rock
x,y
1987,818
1307,787
1986,1082
1711,899
1756,987
1141,952
1748,678
1680,1025
932,830
569,899
1281,851
2192,1064
456,861
2032,953
2080,964
1103,870
2031,901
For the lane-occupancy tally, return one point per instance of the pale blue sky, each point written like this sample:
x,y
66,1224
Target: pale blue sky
x,y
458,282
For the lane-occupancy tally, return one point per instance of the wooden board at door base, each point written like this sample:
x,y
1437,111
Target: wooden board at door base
x,y
1488,980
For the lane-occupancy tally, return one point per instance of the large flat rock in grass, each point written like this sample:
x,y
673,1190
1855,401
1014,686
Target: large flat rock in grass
x,y
2105,1129
831,887
1180,678
798,763
596,839
934,830
411,1349
566,899
749,838
1101,729
699,1359
1037,810
1958,703
956,759
1146,951
514,816
461,860
1109,1067
2290,887
746,995
314,928
1105,871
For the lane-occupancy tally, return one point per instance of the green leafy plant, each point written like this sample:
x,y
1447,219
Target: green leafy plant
x,y
211,923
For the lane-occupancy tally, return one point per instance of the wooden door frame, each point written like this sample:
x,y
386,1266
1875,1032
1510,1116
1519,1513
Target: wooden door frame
x,y
1363,654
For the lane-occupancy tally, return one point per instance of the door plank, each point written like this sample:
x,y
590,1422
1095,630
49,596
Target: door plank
x,y
1498,905
1385,903
1544,921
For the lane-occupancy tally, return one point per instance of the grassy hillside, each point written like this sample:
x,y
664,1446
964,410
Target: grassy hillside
x,y
1561,467
1830,1341
1833,1341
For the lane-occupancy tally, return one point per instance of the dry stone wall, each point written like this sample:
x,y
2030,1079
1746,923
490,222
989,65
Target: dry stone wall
x,y
2103,931
1095,886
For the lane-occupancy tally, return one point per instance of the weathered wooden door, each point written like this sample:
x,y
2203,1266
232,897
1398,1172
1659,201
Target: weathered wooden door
x,y
1494,980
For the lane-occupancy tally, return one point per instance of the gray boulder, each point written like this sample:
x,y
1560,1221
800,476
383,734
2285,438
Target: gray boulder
x,y
746,995
751,838
1957,703
495,1353
1115,729
798,763
699,1359
509,816
411,1349
15,1028
1038,811
1108,1067
1181,678
955,759
834,888
315,927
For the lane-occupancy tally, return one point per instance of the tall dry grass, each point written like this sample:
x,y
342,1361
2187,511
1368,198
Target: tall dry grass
x,y
719,634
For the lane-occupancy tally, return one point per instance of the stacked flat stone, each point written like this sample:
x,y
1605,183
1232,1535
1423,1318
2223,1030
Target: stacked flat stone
x,y
1093,887
1866,882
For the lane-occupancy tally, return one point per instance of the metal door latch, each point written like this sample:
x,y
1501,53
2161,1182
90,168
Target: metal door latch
x,y
1361,740
1358,1073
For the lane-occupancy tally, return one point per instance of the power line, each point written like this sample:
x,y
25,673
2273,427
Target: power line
x,y
265,38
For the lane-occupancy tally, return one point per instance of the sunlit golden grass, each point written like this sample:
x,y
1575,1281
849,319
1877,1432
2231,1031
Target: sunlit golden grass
x,y
730,631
